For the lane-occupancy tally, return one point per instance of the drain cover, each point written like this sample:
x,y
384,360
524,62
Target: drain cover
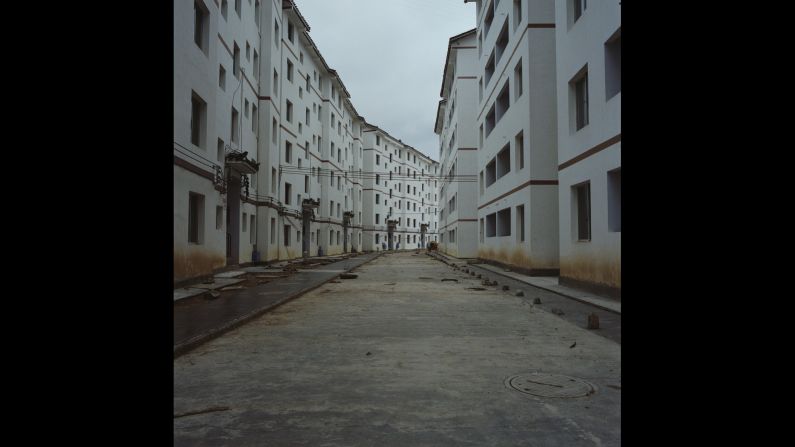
x,y
549,385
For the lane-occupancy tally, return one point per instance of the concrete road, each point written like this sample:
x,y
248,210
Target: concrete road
x,y
398,357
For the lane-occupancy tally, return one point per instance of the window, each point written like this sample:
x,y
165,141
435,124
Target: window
x,y
480,90
377,160
248,51
577,8
245,109
245,222
331,237
502,41
582,210
273,230
490,121
377,140
517,13
288,192
289,111
491,225
504,222
236,61
254,118
378,199
488,19
518,145
301,59
580,86
377,179
222,77
613,65
503,102
306,183
201,29
289,70
307,86
273,180
491,172
251,228
520,223
276,35
290,32
614,200
481,230
256,13
235,126
274,130
198,120
219,217
489,71
286,235
220,154
275,83
224,8
256,65
195,218
288,152
517,81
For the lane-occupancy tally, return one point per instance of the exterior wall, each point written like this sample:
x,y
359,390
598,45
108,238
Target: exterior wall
x,y
531,113
264,137
588,154
458,151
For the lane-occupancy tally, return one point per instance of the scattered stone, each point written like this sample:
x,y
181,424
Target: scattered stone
x,y
475,288
557,311
390,284
348,276
505,287
449,279
573,345
494,283
537,300
615,387
210,280
206,410
479,275
335,281
369,353
233,288
593,321
213,294
520,293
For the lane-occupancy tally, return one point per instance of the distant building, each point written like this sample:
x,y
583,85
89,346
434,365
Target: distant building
x,y
269,158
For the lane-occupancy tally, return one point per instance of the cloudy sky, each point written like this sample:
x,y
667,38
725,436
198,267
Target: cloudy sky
x,y
390,55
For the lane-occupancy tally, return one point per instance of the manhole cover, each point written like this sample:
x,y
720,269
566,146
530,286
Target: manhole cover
x,y
549,385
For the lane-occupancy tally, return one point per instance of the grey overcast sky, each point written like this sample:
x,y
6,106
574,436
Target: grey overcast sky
x,y
390,55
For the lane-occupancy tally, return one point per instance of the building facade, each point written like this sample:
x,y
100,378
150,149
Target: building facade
x,y
517,135
458,145
401,187
269,159
588,41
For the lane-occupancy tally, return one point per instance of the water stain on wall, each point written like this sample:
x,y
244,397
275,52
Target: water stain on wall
x,y
602,269
516,256
196,262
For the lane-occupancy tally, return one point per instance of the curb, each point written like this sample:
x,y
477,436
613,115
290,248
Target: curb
x,y
598,306
193,343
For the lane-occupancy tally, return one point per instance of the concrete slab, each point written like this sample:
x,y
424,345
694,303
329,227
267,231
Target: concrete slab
x,y
232,274
181,294
219,283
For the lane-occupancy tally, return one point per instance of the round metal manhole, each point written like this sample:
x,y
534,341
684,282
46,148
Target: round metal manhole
x,y
549,385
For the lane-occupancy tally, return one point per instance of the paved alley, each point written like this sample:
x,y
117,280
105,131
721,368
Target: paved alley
x,y
410,353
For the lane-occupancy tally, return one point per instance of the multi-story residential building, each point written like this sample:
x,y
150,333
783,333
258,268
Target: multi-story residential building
x,y
517,135
268,148
401,186
588,45
458,144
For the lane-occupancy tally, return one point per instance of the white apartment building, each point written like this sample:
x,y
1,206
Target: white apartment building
x,y
458,145
517,135
268,148
588,44
401,187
